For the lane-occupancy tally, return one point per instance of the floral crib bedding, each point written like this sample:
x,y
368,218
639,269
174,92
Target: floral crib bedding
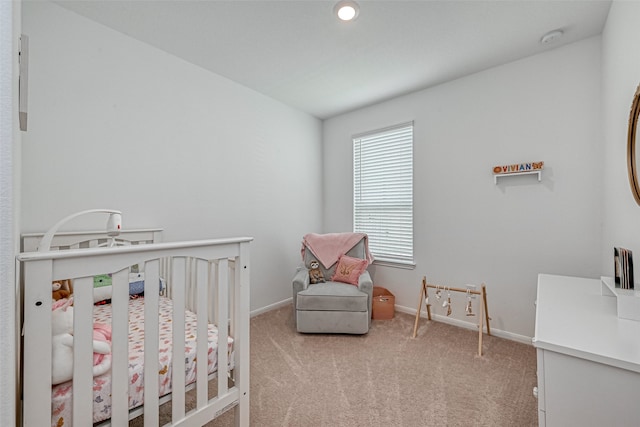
x,y
62,394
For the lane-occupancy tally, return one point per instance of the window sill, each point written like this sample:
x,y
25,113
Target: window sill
x,y
395,264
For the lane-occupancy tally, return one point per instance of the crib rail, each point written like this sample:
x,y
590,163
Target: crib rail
x,y
211,277
90,239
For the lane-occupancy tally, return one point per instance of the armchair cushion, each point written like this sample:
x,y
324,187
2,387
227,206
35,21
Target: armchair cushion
x,y
349,269
332,296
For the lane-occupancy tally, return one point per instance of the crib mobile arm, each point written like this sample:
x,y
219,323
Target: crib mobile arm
x,y
114,225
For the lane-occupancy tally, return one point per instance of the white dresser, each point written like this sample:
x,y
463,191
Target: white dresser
x,y
588,357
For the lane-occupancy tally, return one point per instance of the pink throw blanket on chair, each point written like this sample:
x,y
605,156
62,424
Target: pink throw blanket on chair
x,y
328,247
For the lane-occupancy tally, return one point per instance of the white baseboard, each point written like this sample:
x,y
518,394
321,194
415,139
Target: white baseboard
x,y
274,306
468,325
438,317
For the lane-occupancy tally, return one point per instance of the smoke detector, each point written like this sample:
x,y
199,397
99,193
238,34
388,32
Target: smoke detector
x,y
551,36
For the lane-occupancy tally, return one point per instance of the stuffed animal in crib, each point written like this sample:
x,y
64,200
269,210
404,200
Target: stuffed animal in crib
x,y
62,344
315,274
61,289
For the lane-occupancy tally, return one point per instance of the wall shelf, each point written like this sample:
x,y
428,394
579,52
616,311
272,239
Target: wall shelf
x,y
502,175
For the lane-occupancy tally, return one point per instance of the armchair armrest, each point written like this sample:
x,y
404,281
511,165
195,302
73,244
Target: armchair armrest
x,y
365,284
301,279
300,283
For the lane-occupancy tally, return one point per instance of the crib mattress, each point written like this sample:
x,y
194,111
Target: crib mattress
x,y
62,394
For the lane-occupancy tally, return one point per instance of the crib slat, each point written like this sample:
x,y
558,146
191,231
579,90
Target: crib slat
x,y
241,343
83,351
213,292
165,273
223,325
202,341
191,287
120,349
232,295
151,343
178,340
37,339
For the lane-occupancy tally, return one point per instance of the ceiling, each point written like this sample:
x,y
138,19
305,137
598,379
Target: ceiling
x,y
298,53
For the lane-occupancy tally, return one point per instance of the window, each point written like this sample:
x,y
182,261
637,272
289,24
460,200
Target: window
x,y
383,192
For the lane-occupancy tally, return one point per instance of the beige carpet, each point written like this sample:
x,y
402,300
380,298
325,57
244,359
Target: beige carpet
x,y
385,378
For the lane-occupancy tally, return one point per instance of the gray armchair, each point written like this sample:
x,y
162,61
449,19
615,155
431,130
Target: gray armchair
x,y
332,307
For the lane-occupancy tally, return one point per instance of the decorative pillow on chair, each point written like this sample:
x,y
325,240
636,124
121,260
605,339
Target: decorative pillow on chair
x,y
349,269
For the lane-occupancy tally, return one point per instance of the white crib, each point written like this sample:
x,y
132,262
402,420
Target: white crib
x,y
209,278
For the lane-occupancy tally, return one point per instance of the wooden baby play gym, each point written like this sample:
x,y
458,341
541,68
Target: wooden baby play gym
x,y
483,315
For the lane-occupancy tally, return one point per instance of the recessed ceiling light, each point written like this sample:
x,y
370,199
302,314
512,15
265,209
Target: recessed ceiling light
x,y
551,36
346,10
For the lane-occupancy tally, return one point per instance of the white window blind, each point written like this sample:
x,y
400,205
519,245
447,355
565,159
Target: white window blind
x,y
383,192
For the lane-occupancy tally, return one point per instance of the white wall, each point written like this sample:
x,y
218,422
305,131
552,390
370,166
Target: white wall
x,y
116,123
9,152
620,78
468,230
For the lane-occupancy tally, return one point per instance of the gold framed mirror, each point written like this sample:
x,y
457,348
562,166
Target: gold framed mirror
x,y
632,162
